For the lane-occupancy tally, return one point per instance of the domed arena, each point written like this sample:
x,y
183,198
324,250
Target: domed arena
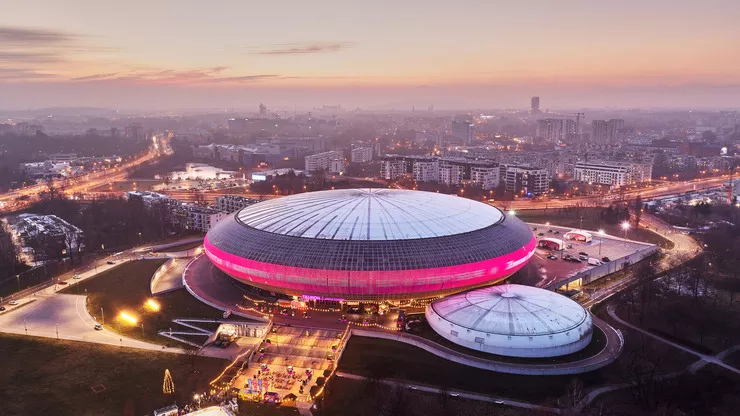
x,y
512,320
369,245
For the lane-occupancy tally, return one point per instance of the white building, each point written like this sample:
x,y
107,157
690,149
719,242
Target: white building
x,y
323,161
524,180
197,218
426,171
613,173
392,168
512,320
451,174
362,154
485,177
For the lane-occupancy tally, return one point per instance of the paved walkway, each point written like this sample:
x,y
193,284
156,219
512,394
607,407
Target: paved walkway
x,y
456,393
172,278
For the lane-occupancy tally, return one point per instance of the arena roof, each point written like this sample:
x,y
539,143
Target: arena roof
x,y
512,310
369,214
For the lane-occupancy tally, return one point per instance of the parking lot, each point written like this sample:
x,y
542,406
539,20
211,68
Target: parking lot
x,y
548,272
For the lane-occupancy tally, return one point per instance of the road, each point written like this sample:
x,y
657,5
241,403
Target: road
x,y
80,184
455,393
652,192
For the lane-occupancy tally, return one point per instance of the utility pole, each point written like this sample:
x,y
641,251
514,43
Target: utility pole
x,y
102,314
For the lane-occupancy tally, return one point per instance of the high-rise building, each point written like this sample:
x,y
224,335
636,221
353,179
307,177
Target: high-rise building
x,y
607,131
362,154
462,131
325,161
536,105
135,131
263,110
552,130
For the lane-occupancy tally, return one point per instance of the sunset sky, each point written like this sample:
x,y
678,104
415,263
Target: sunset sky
x,y
454,54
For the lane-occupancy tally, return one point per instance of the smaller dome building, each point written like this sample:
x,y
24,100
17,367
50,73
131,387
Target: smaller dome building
x,y
512,320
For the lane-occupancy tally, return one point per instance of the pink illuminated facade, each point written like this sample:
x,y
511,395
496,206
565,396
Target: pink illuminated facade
x,y
364,285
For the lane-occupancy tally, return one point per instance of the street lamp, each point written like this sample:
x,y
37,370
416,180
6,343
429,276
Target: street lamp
x,y
625,226
601,243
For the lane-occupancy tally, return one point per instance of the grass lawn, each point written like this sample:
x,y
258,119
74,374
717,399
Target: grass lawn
x,y
181,247
381,358
125,288
591,221
48,377
345,397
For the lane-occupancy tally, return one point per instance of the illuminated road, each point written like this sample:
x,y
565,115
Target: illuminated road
x,y
656,191
9,201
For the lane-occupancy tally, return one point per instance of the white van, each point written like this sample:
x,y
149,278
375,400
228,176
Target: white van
x,y
594,262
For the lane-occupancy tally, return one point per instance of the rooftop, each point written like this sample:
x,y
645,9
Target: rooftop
x,y
511,310
369,214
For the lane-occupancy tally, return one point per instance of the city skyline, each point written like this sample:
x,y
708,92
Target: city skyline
x,y
380,54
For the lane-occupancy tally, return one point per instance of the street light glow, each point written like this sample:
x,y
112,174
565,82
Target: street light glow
x,y
512,212
128,318
153,305
601,231
625,225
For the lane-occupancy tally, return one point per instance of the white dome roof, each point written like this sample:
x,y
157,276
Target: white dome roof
x,y
512,320
370,214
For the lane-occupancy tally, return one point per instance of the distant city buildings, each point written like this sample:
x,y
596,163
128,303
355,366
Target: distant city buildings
x,y
135,132
554,130
333,161
362,155
238,125
607,131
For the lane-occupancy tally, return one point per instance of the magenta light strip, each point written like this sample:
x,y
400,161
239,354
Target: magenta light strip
x,y
342,283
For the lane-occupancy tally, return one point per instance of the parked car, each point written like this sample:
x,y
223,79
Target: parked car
x,y
552,257
582,253
77,276
594,262
540,234
549,231
111,262
62,283
556,232
605,259
583,257
2,308
98,327
13,302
